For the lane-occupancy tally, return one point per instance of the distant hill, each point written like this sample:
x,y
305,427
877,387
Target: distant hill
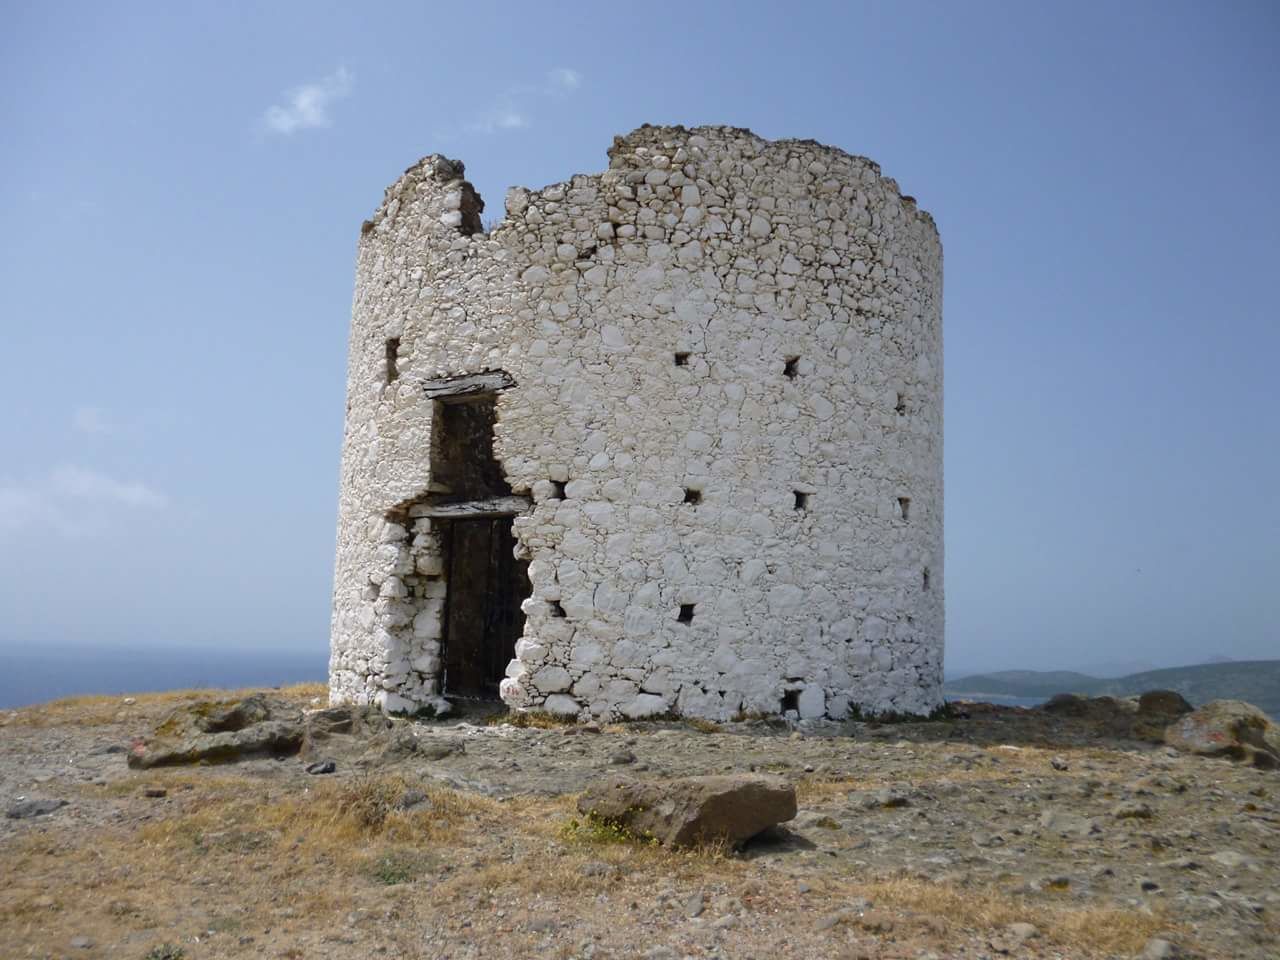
x,y
1255,681
1110,669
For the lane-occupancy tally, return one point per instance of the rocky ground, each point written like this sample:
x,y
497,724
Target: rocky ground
x,y
1003,832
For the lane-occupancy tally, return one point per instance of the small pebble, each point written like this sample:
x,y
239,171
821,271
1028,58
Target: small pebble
x,y
694,906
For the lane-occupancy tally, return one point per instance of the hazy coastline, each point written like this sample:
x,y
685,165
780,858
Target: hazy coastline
x,y
48,673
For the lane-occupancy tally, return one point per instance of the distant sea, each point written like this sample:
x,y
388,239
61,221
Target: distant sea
x,y
27,678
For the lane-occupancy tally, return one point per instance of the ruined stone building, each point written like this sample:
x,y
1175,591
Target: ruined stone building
x,y
666,439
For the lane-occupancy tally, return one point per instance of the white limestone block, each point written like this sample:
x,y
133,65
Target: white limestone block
x,y
552,679
561,705
811,703
644,705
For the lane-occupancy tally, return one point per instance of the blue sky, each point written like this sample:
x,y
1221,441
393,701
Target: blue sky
x,y
184,184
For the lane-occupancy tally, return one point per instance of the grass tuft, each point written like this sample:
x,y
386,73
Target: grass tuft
x,y
599,830
1110,930
400,865
701,725
531,719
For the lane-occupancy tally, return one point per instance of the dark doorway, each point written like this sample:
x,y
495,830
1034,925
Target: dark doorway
x,y
483,619
462,463
472,506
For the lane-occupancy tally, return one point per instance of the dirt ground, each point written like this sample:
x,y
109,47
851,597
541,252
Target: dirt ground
x,y
1006,832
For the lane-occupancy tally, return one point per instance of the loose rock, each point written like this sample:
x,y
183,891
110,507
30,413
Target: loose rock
x,y
271,737
26,809
691,810
221,732
1228,728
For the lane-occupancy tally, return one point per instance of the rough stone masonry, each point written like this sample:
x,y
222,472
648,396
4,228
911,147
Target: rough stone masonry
x,y
667,439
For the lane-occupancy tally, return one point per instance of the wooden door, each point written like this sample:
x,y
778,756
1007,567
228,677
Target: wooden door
x,y
486,585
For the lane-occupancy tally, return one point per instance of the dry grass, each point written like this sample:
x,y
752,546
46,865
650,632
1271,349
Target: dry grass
x,y
243,849
555,855
369,807
536,719
343,821
236,852
701,725
315,850
1107,930
102,709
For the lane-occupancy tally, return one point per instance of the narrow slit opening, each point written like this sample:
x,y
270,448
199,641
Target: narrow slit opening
x,y
904,507
900,408
924,579
791,367
393,359
801,500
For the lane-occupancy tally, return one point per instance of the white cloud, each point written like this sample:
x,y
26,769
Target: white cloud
x,y
511,110
58,501
503,118
307,107
78,483
562,78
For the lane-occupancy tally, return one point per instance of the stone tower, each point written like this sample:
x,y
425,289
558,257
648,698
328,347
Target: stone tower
x,y
667,439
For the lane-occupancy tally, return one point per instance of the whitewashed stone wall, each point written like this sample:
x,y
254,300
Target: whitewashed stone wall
x,y
806,292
